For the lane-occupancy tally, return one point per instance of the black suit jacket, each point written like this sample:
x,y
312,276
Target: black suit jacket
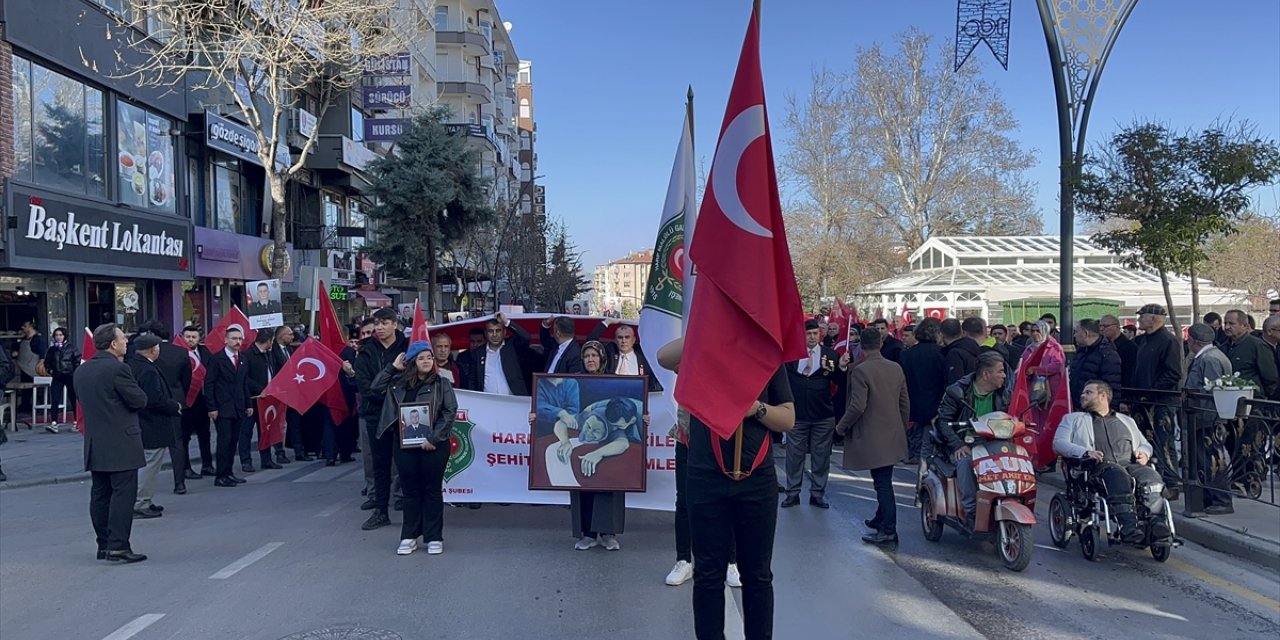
x,y
175,365
812,392
262,366
111,399
570,361
157,418
513,354
613,355
226,387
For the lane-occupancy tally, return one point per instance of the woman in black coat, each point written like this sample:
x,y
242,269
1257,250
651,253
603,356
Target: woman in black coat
x,y
413,379
60,362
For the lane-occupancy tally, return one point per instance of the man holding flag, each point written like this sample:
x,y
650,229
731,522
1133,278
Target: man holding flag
x,y
746,321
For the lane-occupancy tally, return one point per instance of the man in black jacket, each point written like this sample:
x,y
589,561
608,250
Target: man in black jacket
x,y
1096,359
226,390
1158,366
624,356
175,366
563,354
497,366
281,350
810,381
261,364
926,372
978,393
195,421
113,453
891,347
1109,327
375,354
157,419
960,351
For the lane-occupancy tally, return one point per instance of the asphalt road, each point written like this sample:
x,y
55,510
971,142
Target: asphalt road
x,y
284,556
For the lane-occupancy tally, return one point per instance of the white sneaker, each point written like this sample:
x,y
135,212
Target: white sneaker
x,y
51,428
407,547
586,542
680,573
609,542
732,577
435,548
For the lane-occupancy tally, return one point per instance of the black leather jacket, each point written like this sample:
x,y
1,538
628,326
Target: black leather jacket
x,y
957,406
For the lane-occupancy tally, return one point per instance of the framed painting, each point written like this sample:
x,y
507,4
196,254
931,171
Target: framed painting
x,y
589,433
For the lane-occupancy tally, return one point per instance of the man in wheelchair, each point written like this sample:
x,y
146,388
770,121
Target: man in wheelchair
x,y
976,394
1109,446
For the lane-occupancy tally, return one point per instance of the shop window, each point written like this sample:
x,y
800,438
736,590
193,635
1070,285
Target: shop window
x,y
58,133
144,158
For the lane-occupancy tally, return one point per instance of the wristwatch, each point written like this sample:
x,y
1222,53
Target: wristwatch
x,y
764,408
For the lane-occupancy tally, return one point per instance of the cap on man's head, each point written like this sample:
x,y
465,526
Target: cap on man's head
x,y
1153,309
1202,333
811,325
144,342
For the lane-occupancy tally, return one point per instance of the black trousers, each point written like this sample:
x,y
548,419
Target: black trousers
x,y
178,455
422,481
722,510
684,539
195,422
228,438
111,508
381,450
886,505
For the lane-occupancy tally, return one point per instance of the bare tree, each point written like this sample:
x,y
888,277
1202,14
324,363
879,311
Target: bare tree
x,y
1247,259
261,55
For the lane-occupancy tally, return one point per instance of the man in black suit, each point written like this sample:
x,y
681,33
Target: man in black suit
x,y
496,366
157,419
891,347
810,381
195,421
113,453
624,355
175,366
563,354
263,305
262,367
226,390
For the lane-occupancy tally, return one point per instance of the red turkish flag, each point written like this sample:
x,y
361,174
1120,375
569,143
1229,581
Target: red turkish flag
x,y
843,320
331,332
87,351
271,413
420,331
217,339
197,371
305,378
746,318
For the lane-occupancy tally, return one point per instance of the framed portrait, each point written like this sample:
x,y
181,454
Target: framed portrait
x,y
263,305
588,433
415,423
577,307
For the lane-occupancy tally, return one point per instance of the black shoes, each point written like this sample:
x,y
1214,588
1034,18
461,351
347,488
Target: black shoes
x,y
880,538
269,464
3,477
303,458
790,501
820,503
369,505
191,475
377,520
180,489
102,554
225,482
238,480
127,557
1219,510
399,505
345,459
872,524
330,463
207,473
247,467
145,514
281,458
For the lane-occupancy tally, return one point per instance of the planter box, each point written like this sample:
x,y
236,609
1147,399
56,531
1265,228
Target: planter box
x,y
1226,401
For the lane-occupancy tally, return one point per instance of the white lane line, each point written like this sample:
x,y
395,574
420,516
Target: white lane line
x,y
732,617
332,510
254,556
134,626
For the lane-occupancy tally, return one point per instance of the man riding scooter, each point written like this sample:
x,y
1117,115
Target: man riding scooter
x,y
976,394
1115,451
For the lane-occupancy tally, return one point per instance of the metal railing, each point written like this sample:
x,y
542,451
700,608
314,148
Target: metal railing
x,y
1208,457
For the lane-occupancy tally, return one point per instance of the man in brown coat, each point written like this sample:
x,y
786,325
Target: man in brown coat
x,y
874,427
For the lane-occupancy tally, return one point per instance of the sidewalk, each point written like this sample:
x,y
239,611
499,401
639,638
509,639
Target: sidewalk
x,y
1251,533
37,457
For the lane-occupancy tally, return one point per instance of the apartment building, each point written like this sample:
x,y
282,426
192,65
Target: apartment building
x,y
619,285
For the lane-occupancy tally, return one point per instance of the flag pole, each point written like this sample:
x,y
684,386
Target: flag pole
x,y
688,113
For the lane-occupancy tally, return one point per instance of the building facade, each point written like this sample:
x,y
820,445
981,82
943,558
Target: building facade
x,y
618,287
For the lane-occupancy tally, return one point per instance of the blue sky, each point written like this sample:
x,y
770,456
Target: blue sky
x,y
610,79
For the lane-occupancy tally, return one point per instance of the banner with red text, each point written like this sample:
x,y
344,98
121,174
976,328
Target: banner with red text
x,y
490,455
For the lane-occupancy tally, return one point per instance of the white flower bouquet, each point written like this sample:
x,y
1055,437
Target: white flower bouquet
x,y
1230,381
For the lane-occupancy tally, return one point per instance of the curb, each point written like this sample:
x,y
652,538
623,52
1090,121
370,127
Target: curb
x,y
1212,535
67,479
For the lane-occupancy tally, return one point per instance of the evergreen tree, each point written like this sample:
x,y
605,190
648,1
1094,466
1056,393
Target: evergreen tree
x,y
564,279
429,194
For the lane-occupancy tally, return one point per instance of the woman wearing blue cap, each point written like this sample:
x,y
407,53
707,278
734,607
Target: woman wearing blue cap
x,y
412,379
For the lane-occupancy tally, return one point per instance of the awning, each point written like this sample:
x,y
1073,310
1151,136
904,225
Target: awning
x,y
373,298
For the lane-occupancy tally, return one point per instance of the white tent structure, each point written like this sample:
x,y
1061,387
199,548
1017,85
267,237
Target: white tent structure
x,y
965,276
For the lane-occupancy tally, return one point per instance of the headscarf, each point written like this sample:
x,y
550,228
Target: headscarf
x,y
596,346
1044,332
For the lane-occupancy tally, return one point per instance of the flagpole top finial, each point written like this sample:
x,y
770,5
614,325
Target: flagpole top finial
x,y
691,92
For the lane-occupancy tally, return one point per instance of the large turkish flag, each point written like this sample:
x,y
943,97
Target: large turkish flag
x,y
746,318
217,339
305,378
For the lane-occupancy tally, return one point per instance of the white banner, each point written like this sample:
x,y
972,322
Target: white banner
x,y
490,458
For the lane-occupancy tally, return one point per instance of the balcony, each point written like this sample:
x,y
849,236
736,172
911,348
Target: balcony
x,y
473,92
468,40
474,132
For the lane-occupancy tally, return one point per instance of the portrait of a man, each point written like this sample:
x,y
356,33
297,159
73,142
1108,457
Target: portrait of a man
x,y
414,425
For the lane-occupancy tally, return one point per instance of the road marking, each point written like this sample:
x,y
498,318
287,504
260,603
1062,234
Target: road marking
x,y
1047,547
325,474
134,626
1269,603
332,510
254,556
732,617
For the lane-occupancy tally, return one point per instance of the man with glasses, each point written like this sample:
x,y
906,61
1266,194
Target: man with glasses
x,y
1109,327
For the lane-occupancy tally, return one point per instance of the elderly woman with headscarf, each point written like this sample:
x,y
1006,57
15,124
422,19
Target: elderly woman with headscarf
x,y
1042,386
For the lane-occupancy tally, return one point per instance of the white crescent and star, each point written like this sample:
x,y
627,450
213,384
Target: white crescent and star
x,y
745,128
270,413
320,370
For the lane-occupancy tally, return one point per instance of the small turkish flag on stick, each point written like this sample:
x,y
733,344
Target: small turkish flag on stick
x,y
420,331
87,351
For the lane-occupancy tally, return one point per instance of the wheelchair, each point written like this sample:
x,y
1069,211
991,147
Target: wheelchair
x,y
1082,511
